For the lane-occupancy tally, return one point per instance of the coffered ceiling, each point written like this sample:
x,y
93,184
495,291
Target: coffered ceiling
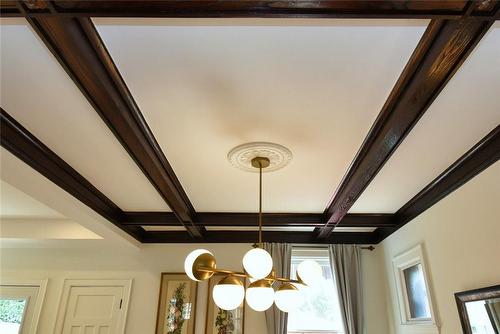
x,y
466,109
57,113
206,86
386,110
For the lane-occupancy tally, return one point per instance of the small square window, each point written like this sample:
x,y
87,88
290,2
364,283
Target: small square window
x,y
415,303
416,292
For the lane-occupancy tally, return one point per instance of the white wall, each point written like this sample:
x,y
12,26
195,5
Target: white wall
x,y
100,261
461,241
374,287
95,259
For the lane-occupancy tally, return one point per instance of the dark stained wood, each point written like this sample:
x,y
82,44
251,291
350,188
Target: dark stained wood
x,y
21,143
461,298
442,49
267,236
79,49
450,9
230,219
485,153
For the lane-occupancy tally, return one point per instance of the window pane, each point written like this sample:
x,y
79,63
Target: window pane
x,y
11,315
319,310
417,292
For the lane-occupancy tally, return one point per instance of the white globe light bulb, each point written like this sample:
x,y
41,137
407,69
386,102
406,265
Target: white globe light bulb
x,y
310,272
229,293
287,297
260,295
258,263
188,263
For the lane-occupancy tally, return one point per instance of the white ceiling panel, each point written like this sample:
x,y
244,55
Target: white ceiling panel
x,y
205,86
467,109
39,94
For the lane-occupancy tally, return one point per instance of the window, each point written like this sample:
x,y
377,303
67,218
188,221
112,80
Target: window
x,y
20,305
11,315
415,303
416,292
319,311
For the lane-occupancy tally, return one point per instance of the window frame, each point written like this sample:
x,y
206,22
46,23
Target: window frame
x,y
41,284
401,262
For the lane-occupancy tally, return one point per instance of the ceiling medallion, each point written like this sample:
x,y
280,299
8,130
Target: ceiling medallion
x,y
230,292
242,155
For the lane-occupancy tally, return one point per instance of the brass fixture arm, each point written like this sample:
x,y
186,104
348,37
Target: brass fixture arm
x,y
242,274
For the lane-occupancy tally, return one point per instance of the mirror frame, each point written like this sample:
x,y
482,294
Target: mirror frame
x,y
473,295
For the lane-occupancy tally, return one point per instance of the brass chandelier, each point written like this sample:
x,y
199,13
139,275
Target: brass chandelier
x,y
229,292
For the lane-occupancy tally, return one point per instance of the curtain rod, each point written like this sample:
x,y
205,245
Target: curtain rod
x,y
370,248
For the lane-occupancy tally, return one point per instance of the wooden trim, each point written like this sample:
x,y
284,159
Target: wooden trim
x,y
429,9
79,49
482,155
252,237
24,145
473,295
251,219
440,52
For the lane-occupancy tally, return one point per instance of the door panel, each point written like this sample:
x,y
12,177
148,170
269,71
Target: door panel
x,y
93,310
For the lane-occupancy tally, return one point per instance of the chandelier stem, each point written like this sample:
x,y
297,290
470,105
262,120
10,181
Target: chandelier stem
x,y
260,205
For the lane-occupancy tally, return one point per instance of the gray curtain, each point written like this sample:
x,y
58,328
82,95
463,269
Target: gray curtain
x,y
346,265
282,256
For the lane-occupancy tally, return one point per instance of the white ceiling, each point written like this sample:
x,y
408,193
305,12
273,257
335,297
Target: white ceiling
x,y
16,204
26,180
39,94
205,86
22,216
467,109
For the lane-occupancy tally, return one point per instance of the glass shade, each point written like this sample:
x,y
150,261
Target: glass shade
x,y
228,294
260,295
258,263
190,259
287,297
309,272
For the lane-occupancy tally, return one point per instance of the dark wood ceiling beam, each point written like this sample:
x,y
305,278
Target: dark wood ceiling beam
x,y
450,9
25,146
231,219
268,236
440,52
78,47
485,153
415,9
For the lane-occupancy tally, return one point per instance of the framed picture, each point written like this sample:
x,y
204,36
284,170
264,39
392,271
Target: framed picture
x,y
221,321
413,290
176,305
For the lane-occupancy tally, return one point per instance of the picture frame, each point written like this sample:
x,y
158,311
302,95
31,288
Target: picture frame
x,y
413,289
176,304
484,296
219,321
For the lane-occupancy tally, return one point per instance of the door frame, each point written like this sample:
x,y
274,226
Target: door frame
x,y
69,283
37,308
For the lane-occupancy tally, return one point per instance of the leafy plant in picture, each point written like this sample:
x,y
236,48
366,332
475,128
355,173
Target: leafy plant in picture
x,y
175,318
224,322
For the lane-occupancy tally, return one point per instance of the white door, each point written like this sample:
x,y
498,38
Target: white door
x,y
17,308
93,310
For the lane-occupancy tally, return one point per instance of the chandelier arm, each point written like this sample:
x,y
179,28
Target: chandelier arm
x,y
242,274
